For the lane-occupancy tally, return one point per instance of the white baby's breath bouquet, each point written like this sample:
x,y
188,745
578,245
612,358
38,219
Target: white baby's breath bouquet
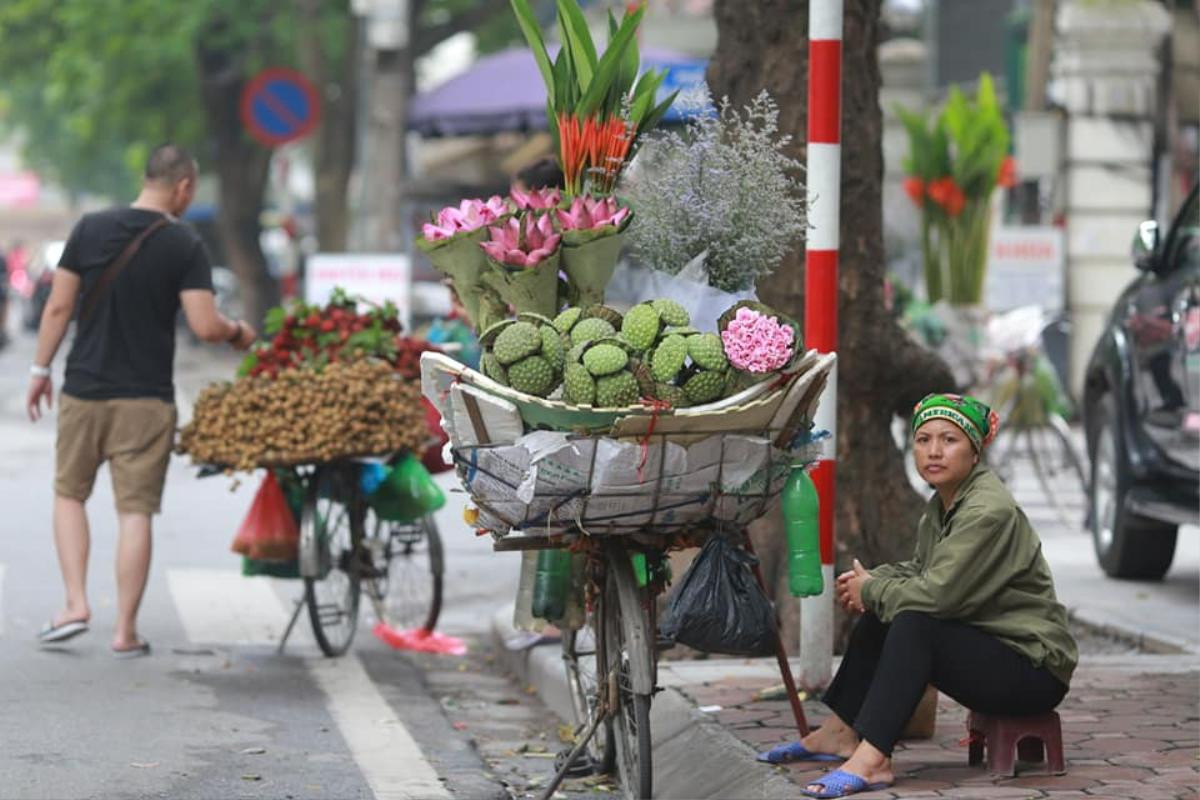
x,y
723,186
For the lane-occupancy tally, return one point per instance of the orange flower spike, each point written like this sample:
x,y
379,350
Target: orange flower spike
x,y
915,189
1007,175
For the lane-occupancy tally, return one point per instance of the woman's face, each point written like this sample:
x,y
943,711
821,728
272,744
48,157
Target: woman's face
x,y
943,453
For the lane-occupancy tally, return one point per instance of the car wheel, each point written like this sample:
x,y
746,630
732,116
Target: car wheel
x,y
1127,545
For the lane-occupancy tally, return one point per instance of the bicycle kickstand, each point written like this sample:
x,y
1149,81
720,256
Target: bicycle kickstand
x,y
298,607
574,754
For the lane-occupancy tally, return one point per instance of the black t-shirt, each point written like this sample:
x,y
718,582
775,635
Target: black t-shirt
x,y
126,347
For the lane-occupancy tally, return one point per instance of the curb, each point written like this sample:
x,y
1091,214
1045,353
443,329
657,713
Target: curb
x,y
694,757
1157,643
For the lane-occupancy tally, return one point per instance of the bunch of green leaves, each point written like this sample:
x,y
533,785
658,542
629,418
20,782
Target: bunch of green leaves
x,y
583,83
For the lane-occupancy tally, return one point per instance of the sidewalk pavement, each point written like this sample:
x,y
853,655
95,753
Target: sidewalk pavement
x,y
1131,729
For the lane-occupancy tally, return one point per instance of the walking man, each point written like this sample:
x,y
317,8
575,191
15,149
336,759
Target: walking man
x,y
127,270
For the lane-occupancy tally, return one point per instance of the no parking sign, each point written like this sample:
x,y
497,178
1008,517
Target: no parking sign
x,y
280,105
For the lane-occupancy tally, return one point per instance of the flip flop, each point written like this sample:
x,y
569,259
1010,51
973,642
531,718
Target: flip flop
x,y
840,783
794,751
142,648
53,634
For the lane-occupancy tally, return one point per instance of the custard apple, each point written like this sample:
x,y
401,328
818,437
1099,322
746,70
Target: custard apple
x,y
579,387
707,351
493,368
592,328
517,341
640,326
552,347
668,358
616,391
671,312
605,359
704,386
533,375
567,319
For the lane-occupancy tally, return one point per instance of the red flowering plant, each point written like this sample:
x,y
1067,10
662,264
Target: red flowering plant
x,y
957,157
597,103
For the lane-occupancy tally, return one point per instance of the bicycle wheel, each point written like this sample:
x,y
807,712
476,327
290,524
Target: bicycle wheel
x,y
411,563
332,526
583,653
1058,470
630,656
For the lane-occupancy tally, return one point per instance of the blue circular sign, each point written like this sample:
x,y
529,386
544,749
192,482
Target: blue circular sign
x,y
280,105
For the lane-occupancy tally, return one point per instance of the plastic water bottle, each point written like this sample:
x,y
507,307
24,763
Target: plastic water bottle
x,y
551,584
800,522
640,570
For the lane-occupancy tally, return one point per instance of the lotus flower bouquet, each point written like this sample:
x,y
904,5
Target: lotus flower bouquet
x,y
452,240
537,200
523,255
593,232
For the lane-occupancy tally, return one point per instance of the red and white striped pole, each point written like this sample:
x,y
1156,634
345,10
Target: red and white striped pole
x,y
824,179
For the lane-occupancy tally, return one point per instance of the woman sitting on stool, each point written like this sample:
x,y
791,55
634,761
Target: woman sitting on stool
x,y
973,613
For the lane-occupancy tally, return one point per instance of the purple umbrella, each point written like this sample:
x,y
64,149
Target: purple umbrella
x,y
505,92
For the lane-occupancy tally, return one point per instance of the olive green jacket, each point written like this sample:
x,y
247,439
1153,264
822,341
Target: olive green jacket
x,y
980,562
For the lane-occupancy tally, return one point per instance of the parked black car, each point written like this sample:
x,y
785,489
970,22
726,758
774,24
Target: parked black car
x,y
1141,405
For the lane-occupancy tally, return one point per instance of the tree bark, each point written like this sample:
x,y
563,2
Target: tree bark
x,y
763,44
336,77
242,169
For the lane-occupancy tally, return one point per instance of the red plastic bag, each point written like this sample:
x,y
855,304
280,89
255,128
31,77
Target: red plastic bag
x,y
269,531
432,457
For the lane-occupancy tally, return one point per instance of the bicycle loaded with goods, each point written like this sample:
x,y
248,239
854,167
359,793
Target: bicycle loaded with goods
x,y
331,411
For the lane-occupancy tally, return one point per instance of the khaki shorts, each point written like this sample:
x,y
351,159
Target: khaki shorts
x,y
135,437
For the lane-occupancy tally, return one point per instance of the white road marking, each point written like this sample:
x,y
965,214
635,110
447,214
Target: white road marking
x,y
223,607
220,606
390,759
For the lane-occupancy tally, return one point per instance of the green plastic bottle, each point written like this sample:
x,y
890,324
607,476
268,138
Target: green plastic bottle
x,y
639,569
800,521
551,584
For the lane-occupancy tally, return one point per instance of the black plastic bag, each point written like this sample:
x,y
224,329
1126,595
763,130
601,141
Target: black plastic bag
x,y
719,606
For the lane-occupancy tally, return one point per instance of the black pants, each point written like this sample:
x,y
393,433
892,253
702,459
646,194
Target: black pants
x,y
886,668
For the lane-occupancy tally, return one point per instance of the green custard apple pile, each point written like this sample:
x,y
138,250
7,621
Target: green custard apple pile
x,y
603,359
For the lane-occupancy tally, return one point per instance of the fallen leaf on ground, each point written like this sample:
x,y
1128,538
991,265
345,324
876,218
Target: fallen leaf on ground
x,y
252,777
144,764
566,734
254,751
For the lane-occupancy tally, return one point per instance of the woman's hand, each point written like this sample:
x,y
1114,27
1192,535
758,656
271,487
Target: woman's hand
x,y
849,588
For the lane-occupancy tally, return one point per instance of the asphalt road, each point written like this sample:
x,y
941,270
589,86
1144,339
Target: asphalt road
x,y
215,712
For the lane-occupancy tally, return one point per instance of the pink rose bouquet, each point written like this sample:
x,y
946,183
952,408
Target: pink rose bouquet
x,y
757,342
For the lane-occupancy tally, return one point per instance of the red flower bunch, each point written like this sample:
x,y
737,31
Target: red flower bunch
x,y
1007,175
947,194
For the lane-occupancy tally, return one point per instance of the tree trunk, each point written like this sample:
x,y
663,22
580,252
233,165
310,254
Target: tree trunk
x,y
764,44
242,169
336,76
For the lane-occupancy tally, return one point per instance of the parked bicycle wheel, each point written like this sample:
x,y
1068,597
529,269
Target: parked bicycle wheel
x,y
628,651
410,563
331,530
583,652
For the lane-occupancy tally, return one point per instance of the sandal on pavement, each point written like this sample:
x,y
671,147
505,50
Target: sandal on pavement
x,y
794,751
142,648
53,634
840,783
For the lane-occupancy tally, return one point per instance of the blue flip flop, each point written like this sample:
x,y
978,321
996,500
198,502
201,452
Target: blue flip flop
x,y
794,751
840,783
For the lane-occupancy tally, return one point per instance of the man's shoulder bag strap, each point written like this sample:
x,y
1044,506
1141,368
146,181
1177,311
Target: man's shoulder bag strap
x,y
114,269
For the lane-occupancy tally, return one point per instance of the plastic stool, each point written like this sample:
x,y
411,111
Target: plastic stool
x,y
1035,738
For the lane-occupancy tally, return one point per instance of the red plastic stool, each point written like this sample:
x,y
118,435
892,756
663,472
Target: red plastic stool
x,y
1036,738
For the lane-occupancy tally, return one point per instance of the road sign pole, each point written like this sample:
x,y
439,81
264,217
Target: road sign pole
x,y
821,306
